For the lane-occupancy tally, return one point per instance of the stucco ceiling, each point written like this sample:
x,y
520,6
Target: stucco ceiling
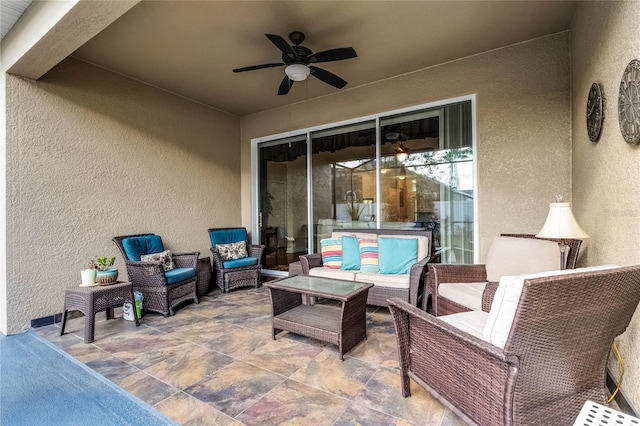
x,y
190,48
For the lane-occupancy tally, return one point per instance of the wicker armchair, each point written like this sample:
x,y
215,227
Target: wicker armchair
x,y
554,358
162,291
235,273
439,274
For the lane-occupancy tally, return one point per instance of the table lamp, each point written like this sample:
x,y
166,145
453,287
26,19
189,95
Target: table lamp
x,y
562,225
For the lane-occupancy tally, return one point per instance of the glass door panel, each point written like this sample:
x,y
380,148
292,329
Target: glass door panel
x,y
427,177
283,201
413,171
343,179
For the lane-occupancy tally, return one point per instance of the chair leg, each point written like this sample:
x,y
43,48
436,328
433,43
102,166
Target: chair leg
x,y
64,321
406,385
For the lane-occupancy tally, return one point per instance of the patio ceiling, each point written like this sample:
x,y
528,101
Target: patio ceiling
x,y
190,47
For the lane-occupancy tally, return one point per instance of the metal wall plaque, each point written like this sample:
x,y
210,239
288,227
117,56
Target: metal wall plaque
x,y
629,103
595,112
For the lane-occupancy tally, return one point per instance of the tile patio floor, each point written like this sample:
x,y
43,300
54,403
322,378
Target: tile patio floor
x,y
215,363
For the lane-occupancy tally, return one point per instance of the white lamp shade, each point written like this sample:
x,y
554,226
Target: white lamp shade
x,y
297,72
561,223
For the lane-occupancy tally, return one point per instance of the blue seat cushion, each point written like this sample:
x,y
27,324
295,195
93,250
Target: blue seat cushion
x,y
239,263
179,274
227,236
135,247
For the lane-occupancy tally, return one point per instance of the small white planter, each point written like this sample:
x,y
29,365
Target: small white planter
x,y
88,276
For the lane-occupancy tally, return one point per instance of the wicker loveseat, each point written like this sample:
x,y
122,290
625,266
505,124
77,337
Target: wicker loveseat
x,y
163,290
553,356
406,286
460,288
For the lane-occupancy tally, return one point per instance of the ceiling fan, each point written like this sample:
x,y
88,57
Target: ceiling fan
x,y
299,62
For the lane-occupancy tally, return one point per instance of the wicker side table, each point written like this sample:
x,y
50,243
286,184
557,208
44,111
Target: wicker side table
x,y
204,273
91,300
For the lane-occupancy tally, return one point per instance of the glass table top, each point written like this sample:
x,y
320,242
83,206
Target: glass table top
x,y
317,285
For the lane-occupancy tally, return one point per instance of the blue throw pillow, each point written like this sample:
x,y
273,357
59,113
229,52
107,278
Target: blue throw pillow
x,y
397,255
350,254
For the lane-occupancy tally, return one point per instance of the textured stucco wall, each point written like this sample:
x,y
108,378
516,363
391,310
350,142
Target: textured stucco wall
x,y
606,182
523,116
91,155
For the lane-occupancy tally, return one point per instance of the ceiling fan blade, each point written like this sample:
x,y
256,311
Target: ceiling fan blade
x,y
328,77
281,44
285,86
258,67
333,55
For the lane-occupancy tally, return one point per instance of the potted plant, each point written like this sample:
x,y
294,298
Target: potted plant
x,y
105,273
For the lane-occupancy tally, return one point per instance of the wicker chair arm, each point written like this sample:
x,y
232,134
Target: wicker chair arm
x,y
416,281
488,294
185,260
435,323
458,273
255,250
439,273
468,373
309,261
146,273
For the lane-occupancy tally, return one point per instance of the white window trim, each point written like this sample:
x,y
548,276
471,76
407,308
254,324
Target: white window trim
x,y
374,117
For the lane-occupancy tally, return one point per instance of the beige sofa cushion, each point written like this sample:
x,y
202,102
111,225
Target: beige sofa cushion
x,y
337,274
472,322
423,243
468,295
364,235
384,280
505,302
518,256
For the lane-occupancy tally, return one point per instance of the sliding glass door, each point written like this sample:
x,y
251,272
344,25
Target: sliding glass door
x,y
344,179
412,169
282,195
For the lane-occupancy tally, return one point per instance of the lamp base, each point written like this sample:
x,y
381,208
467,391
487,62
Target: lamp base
x,y
563,255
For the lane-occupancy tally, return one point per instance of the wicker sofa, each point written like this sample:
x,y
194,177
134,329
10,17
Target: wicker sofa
x,y
550,359
408,287
460,288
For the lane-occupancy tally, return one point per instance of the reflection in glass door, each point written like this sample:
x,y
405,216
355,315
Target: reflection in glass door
x,y
282,199
344,179
408,169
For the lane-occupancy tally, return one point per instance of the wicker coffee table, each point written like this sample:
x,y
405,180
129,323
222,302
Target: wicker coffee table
x,y
343,325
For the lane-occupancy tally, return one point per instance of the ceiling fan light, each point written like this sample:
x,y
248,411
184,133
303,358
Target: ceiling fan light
x,y
297,72
402,153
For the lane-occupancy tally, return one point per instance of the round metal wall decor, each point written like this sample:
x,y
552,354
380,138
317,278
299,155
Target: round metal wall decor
x,y
629,103
595,112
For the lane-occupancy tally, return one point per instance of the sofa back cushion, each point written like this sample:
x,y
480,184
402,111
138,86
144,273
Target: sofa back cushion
x,y
505,302
368,255
350,254
135,247
227,236
365,235
331,251
423,243
397,255
518,256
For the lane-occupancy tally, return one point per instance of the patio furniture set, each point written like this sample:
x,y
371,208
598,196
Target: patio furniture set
x,y
169,279
518,340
